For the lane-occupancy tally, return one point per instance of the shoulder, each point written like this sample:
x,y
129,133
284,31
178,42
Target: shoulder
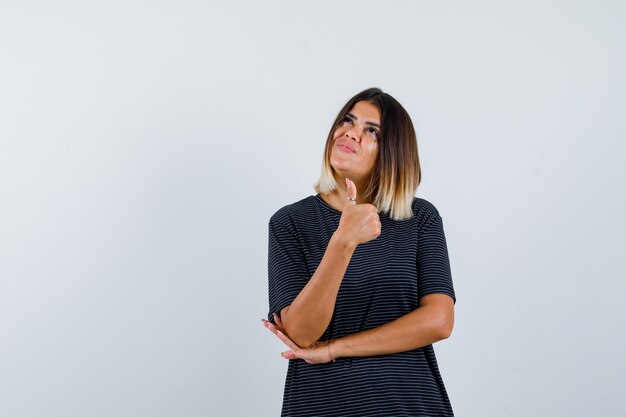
x,y
288,216
424,212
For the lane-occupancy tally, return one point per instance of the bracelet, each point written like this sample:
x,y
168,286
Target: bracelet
x,y
329,354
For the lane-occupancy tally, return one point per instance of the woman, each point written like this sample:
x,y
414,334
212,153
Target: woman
x,y
359,277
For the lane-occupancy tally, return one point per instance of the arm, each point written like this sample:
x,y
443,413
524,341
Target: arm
x,y
308,316
432,321
429,323
310,313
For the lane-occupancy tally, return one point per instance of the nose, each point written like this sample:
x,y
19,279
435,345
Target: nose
x,y
353,134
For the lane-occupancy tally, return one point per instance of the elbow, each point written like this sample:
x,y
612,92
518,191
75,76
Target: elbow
x,y
303,343
444,326
440,315
445,331
300,333
300,338
303,340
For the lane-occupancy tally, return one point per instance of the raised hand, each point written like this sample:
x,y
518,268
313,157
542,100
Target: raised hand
x,y
359,223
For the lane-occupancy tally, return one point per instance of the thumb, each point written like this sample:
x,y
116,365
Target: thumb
x,y
351,192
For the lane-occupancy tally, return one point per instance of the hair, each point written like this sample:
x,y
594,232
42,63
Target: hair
x,y
396,173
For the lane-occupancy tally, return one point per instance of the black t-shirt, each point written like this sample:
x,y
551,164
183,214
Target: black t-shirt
x,y
385,279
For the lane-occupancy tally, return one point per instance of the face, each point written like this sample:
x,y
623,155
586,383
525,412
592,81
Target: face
x,y
355,142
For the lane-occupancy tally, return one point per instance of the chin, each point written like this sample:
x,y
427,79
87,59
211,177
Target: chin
x,y
341,168
347,173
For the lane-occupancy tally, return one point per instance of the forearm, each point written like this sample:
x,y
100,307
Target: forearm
x,y
422,327
308,316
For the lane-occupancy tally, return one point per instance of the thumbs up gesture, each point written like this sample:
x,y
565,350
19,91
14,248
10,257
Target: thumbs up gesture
x,y
359,223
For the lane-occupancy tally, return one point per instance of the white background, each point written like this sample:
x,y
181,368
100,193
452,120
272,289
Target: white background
x,y
145,144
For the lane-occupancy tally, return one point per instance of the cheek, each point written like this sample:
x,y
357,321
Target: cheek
x,y
373,155
372,150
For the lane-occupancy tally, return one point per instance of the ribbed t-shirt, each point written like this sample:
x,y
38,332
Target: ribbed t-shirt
x,y
384,280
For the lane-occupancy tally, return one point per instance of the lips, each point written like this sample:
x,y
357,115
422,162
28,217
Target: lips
x,y
344,146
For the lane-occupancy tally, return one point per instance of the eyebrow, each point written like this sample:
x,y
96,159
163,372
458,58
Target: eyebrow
x,y
353,117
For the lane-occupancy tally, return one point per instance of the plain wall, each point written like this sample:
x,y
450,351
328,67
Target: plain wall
x,y
144,146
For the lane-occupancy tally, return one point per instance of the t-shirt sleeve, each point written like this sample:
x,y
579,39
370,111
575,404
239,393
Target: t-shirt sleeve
x,y
287,270
433,265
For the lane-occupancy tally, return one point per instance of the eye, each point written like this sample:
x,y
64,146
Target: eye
x,y
346,119
374,132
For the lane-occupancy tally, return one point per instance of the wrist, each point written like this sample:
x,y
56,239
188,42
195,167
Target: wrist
x,y
342,242
335,349
330,352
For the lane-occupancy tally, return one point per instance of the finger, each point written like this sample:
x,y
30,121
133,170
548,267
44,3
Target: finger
x,y
283,337
289,355
350,192
265,322
272,328
278,321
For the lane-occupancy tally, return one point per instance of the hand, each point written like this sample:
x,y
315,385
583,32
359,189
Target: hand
x,y
359,223
317,353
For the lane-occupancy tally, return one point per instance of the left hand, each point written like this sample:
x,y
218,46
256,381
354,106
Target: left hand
x,y
317,353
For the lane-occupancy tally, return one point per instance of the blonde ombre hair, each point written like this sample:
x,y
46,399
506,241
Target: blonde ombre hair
x,y
396,173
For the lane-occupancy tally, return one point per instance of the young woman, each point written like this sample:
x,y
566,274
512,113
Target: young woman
x,y
359,276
